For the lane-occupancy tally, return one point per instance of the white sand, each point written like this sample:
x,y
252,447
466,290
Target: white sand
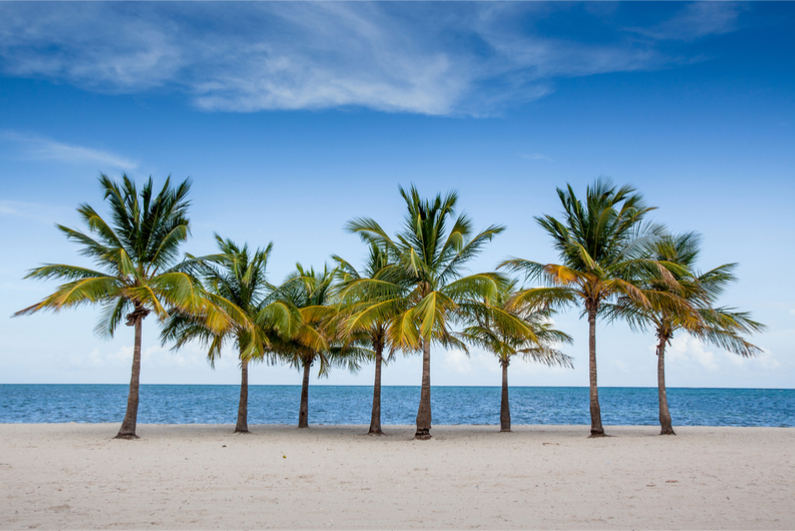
x,y
75,476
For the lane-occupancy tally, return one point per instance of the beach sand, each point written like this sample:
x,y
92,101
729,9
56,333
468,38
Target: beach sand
x,y
204,476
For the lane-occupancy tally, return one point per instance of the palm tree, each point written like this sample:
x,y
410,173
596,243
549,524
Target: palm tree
x,y
378,269
495,330
721,326
235,280
430,258
135,255
599,243
317,339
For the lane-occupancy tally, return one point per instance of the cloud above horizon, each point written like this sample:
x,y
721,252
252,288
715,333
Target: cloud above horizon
x,y
40,148
472,59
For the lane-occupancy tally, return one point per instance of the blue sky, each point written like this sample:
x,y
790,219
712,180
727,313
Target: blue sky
x,y
292,118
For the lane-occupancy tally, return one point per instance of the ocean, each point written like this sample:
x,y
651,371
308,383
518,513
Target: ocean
x,y
278,404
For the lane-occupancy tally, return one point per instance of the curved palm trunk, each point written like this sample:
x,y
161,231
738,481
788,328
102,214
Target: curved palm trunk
x,y
242,408
424,411
130,421
375,418
665,415
505,409
596,413
303,411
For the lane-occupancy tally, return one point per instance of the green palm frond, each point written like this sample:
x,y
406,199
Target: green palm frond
x,y
142,239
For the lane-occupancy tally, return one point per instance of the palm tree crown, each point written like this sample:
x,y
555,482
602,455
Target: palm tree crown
x,y
235,280
318,338
421,297
379,274
721,326
599,242
136,275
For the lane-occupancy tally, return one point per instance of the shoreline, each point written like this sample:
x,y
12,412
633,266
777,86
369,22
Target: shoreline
x,y
203,476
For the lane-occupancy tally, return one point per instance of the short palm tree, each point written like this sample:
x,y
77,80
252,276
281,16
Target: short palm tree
x,y
723,327
358,291
136,256
427,289
495,330
235,280
317,339
599,243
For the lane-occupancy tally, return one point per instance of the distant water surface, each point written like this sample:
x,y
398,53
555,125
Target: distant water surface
x,y
271,404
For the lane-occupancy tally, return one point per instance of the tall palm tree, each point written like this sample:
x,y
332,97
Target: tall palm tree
x,y
495,331
317,339
136,256
431,258
599,242
720,326
379,269
235,280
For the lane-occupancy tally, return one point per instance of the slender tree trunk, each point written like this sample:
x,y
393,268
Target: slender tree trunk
x,y
665,415
596,413
242,408
505,408
303,412
130,421
424,411
375,418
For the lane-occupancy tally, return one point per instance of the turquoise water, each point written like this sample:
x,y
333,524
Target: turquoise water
x,y
217,404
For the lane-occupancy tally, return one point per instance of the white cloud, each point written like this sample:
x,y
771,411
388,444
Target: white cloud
x,y
535,156
40,148
696,20
457,361
764,360
419,58
688,352
685,349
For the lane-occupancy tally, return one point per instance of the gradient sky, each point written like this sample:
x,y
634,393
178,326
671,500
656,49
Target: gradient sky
x,y
292,118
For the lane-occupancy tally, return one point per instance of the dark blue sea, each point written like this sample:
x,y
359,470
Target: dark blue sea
x,y
217,404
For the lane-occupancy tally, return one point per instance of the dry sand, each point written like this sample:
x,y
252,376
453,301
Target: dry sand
x,y
203,476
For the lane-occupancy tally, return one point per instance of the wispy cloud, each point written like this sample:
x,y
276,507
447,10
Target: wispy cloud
x,y
696,20
688,352
535,156
41,148
470,58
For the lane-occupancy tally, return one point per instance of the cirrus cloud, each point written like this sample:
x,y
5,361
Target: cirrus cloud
x,y
436,59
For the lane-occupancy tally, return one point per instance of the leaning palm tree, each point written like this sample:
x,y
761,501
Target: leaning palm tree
x,y
720,326
235,280
379,272
136,256
431,258
495,329
317,339
599,243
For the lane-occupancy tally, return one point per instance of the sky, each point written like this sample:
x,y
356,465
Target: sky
x,y
293,118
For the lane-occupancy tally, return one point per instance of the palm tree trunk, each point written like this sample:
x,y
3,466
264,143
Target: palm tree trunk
x,y
375,418
303,412
242,408
130,421
596,413
424,411
505,409
665,415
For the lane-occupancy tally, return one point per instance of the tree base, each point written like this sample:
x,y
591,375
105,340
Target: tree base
x,y
242,430
597,435
376,432
667,431
505,430
127,436
423,434
303,426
